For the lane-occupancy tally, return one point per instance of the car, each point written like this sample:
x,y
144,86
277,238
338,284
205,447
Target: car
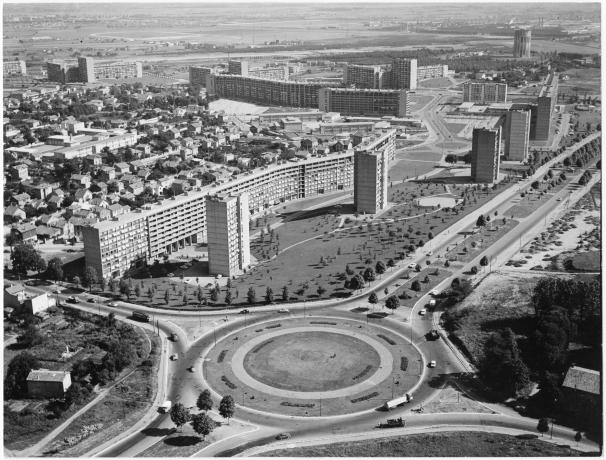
x,y
412,265
559,199
432,363
191,369
72,299
429,253
91,300
283,310
170,275
244,312
283,436
113,304
423,312
174,357
434,292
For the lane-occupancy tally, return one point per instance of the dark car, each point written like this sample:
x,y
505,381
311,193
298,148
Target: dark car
x,y
283,436
72,299
244,312
91,300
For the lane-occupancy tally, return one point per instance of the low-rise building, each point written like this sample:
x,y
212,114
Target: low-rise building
x,y
44,383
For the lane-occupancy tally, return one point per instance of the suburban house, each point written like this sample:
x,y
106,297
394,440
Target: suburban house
x,y
43,383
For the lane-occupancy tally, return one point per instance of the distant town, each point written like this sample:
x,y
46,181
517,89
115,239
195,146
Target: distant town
x,y
241,237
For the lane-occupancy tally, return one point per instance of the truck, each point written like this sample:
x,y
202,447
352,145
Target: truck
x,y
397,402
393,423
137,315
165,407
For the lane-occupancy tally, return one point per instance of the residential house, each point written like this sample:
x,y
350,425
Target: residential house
x,y
83,195
581,396
21,199
41,190
14,295
82,180
25,232
107,173
44,383
14,212
122,168
19,172
180,186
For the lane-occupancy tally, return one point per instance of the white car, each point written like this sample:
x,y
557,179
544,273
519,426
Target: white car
x,y
283,310
412,265
432,364
174,357
423,312
433,292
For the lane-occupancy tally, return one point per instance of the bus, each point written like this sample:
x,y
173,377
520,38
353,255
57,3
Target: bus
x,y
140,316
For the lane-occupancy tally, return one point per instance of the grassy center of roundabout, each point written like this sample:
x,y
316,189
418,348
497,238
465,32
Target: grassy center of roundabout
x,y
311,361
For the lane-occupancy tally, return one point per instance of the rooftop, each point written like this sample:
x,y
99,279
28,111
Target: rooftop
x,y
582,379
45,375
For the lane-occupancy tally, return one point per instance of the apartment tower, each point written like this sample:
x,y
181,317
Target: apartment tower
x,y
485,149
371,162
516,135
404,74
86,69
227,219
521,43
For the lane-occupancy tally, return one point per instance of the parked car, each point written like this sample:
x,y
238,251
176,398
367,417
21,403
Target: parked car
x,y
432,363
423,312
72,299
412,265
113,304
434,292
91,300
244,312
283,436
174,357
283,310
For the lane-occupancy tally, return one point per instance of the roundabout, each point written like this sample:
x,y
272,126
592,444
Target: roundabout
x,y
312,366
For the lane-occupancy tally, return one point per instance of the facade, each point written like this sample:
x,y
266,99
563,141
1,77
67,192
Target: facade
x,y
404,74
113,246
347,127
484,92
546,102
364,76
15,67
485,150
303,116
371,173
227,229
431,71
521,43
198,75
261,91
349,101
86,69
238,68
43,383
516,135
95,146
271,73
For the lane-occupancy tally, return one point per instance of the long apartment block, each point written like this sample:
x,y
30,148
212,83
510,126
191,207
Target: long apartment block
x,y
262,91
350,101
546,102
484,92
114,246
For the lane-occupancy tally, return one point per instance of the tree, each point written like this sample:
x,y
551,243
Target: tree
x,y
167,296
77,281
321,290
474,270
391,263
578,437
543,426
90,277
214,294
355,283
202,424
228,298
372,298
348,270
179,415
204,401
227,407
484,261
30,337
285,294
54,269
251,295
269,295
392,302
380,267
24,257
369,275
481,222
15,383
415,286
76,394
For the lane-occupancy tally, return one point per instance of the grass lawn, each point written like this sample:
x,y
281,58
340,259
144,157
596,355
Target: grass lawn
x,y
121,408
435,83
588,261
311,361
449,444
455,128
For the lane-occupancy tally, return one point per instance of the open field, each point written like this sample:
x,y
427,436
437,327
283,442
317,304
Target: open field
x,y
586,80
435,83
236,107
501,300
448,444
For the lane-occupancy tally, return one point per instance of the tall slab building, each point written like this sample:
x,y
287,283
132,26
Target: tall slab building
x,y
516,135
485,150
371,165
227,218
404,74
521,43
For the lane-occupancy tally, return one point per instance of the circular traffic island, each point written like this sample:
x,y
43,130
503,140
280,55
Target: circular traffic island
x,y
311,361
316,366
